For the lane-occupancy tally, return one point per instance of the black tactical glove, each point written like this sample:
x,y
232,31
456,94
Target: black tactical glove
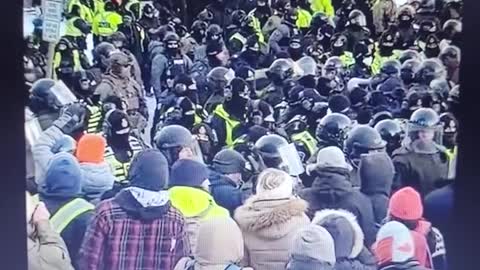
x,y
72,118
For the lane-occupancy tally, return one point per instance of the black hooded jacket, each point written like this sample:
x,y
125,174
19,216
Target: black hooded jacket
x,y
332,189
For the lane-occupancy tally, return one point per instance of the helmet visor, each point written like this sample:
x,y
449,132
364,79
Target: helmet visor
x,y
291,161
426,134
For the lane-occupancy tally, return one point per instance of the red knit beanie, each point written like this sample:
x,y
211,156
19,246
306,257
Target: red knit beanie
x,y
91,148
406,204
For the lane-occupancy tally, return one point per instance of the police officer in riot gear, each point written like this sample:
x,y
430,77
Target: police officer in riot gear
x,y
363,55
356,29
280,38
362,139
43,102
211,93
339,47
118,82
176,142
392,133
422,160
332,78
333,130
451,32
101,53
228,118
429,70
408,72
405,33
121,145
280,71
450,57
386,51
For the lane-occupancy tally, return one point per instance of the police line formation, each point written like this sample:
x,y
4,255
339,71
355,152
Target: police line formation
x,y
292,135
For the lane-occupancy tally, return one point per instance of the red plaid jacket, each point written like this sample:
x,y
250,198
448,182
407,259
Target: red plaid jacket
x,y
117,241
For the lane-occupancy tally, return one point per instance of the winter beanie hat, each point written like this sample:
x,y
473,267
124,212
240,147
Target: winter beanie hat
x,y
394,244
332,156
65,144
91,149
188,173
229,161
358,96
314,242
406,204
338,103
63,176
275,184
118,121
149,170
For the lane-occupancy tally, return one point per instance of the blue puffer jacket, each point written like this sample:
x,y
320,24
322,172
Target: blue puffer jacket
x,y
224,191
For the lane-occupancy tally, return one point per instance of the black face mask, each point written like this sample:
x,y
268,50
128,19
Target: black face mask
x,y
432,52
295,53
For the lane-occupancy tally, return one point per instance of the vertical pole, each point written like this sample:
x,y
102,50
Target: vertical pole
x,y
50,55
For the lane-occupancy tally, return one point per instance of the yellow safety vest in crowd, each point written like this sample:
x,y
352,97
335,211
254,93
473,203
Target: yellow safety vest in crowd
x,y
307,140
323,6
256,25
67,213
93,124
70,28
240,140
347,59
120,170
230,124
98,6
85,12
378,60
106,23
57,60
304,19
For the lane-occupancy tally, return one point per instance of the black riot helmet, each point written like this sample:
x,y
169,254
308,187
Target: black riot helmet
x,y
391,132
333,129
238,16
205,15
83,83
391,67
214,32
409,54
333,66
426,6
43,98
171,41
363,139
356,17
451,28
450,128
170,140
430,70
280,70
338,44
217,78
409,70
268,148
148,11
319,19
424,125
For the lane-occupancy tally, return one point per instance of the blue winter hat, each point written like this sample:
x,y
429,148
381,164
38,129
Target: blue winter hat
x,y
63,177
189,173
149,170
65,144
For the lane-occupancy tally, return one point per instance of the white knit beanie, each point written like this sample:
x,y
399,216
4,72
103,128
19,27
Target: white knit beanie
x,y
314,242
332,156
275,184
395,243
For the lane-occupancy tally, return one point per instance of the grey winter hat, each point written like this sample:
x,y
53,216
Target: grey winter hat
x,y
229,161
314,242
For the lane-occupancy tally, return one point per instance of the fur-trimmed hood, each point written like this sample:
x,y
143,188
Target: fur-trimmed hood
x,y
325,216
271,219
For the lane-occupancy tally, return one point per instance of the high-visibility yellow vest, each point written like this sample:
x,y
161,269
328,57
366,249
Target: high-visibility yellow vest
x,y
307,140
106,23
256,25
57,60
347,59
230,124
119,169
323,6
304,19
99,6
85,12
93,123
240,140
67,213
378,60
71,30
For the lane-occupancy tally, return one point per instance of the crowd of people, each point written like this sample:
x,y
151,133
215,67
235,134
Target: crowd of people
x,y
286,135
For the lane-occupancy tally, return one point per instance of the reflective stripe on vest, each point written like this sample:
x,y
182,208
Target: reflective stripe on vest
x,y
94,119
306,139
240,38
119,169
67,213
230,124
71,30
